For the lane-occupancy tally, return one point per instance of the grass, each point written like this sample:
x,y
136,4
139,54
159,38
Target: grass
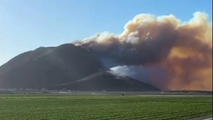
x,y
64,107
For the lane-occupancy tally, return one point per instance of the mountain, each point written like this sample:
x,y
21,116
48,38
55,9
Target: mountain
x,y
48,66
64,67
106,81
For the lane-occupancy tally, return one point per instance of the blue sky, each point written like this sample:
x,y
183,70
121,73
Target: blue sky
x,y
28,24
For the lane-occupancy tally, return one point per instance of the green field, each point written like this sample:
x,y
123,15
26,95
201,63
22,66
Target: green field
x,y
64,107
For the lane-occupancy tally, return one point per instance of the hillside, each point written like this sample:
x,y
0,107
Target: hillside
x,y
64,67
106,81
48,66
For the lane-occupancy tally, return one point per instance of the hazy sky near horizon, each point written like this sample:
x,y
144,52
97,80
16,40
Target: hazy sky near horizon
x,y
28,24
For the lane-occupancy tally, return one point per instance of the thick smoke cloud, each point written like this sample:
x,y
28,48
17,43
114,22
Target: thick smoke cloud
x,y
163,51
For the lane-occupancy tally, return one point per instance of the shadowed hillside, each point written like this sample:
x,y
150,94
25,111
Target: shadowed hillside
x,y
47,66
106,81
64,67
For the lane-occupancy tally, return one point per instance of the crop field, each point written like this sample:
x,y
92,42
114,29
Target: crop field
x,y
103,107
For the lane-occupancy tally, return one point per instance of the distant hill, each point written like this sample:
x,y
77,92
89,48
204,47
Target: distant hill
x,y
64,67
47,66
106,81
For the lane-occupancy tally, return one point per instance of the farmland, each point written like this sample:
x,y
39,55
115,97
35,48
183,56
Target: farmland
x,y
103,107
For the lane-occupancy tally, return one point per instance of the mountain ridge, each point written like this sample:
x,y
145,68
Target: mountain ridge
x,y
63,64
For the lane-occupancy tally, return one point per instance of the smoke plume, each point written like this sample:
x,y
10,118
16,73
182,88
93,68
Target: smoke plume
x,y
163,51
